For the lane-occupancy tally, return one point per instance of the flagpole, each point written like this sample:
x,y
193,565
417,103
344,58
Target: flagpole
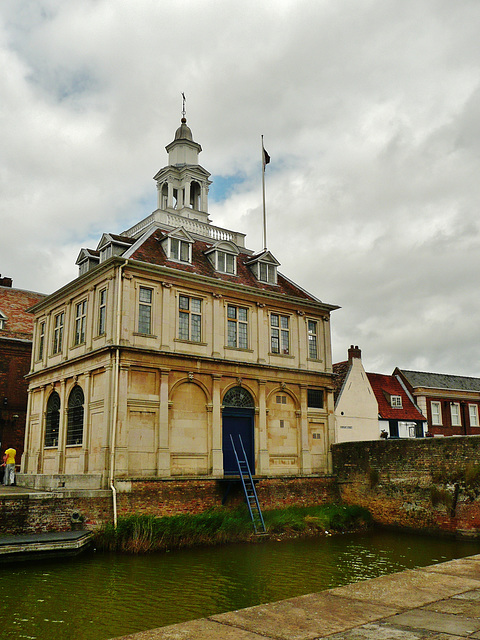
x,y
263,192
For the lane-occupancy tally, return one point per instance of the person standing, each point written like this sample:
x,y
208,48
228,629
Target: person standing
x,y
9,461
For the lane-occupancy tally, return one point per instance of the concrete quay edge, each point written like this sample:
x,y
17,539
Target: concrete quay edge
x,y
438,602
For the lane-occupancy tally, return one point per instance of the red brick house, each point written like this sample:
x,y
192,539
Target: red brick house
x,y
450,403
16,329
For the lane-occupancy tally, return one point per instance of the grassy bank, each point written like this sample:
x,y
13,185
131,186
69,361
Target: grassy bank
x,y
143,533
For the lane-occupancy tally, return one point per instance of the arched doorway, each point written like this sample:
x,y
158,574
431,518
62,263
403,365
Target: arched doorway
x,y
238,420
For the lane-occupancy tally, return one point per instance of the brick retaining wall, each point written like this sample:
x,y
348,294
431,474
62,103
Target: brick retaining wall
x,y
429,484
52,511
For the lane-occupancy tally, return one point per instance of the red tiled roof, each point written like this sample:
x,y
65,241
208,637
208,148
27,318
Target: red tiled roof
x,y
340,370
384,386
13,305
152,252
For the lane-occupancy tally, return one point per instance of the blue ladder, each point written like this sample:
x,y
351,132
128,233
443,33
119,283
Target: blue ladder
x,y
249,488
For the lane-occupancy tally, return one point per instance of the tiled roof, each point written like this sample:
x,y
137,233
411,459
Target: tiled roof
x,y
340,370
123,239
440,381
152,252
384,386
13,305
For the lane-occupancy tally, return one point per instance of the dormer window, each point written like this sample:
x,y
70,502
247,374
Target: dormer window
x,y
223,256
396,402
106,253
180,250
267,272
3,320
225,262
178,245
264,267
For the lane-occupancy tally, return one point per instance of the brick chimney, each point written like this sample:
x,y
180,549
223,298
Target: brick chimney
x,y
5,282
354,352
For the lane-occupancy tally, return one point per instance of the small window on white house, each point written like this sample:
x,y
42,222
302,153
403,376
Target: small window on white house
x,y
281,399
455,413
473,413
436,413
396,402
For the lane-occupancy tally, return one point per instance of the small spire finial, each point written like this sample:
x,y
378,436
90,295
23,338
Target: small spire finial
x,y
183,107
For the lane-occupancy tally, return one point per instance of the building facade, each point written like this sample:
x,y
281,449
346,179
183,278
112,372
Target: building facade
x,y
356,408
450,403
16,329
174,338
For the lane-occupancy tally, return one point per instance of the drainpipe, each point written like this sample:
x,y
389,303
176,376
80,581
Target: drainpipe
x,y
116,376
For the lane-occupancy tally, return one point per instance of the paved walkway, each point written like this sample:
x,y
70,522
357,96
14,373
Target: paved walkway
x,y
441,602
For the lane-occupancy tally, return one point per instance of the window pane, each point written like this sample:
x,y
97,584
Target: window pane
x,y
174,250
312,346
275,341
274,320
242,336
145,295
185,252
183,302
196,328
232,334
242,314
144,319
196,305
285,345
231,312
220,261
230,266
183,325
284,322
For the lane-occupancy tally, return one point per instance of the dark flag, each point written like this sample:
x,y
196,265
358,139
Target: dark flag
x,y
266,158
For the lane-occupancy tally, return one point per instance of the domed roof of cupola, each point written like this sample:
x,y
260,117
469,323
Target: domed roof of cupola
x,y
183,132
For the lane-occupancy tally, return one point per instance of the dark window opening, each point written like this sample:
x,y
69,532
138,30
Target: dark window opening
x,y
315,398
52,421
75,416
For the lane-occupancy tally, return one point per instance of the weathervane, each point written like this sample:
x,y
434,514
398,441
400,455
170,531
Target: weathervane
x,y
183,105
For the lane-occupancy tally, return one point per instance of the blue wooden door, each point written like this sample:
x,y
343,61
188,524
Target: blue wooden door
x,y
237,422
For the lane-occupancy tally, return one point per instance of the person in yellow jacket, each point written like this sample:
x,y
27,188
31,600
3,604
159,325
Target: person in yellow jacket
x,y
9,461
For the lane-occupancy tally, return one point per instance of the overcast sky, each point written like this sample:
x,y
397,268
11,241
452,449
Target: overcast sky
x,y
370,111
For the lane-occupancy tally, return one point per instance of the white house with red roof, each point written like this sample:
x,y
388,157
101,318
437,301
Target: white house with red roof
x,y
372,405
174,337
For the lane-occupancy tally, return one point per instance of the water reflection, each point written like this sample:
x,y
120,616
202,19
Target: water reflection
x,y
99,596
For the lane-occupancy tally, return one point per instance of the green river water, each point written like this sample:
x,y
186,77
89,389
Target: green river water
x,y
102,595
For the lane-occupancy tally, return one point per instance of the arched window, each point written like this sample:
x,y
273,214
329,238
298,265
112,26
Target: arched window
x,y
75,416
164,196
52,420
195,195
238,397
